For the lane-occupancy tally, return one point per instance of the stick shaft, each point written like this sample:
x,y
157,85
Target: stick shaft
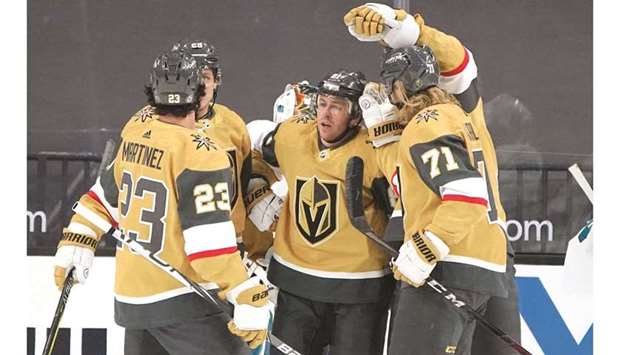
x,y
60,310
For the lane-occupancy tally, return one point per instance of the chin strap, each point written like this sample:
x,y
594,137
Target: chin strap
x,y
210,110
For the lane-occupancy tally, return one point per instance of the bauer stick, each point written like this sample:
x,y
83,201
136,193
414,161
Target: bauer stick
x,y
207,294
355,208
60,310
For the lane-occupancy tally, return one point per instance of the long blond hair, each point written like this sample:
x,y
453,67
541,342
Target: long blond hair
x,y
421,100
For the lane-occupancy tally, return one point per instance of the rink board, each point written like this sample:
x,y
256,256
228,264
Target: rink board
x,y
553,321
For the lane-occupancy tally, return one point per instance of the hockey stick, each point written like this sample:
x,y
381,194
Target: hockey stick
x,y
255,269
581,180
60,310
355,208
207,294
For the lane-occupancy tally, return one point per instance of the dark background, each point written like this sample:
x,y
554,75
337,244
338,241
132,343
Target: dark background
x,y
88,60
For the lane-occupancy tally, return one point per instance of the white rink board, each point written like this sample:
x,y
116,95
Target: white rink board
x,y
92,305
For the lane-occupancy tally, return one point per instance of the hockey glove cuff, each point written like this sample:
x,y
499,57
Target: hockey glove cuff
x,y
417,258
380,116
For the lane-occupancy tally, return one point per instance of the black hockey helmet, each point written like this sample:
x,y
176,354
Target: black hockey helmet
x,y
204,53
415,66
346,84
175,79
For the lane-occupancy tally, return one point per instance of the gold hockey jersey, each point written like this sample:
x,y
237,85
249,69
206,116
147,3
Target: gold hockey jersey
x,y
228,131
443,169
318,254
168,189
459,75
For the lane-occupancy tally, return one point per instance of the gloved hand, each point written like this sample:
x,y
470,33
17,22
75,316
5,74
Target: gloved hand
x,y
74,250
263,205
380,116
375,22
251,313
417,258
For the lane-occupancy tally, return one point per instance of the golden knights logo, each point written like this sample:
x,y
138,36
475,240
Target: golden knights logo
x,y
203,142
145,114
427,116
315,208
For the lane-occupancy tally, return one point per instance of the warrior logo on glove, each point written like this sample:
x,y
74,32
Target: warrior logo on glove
x,y
315,208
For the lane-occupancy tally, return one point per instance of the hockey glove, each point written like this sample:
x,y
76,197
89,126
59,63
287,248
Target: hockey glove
x,y
374,22
380,116
263,205
417,258
251,313
74,250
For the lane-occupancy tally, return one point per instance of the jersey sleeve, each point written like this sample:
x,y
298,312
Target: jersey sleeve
x,y
441,159
101,199
204,213
256,242
387,158
458,68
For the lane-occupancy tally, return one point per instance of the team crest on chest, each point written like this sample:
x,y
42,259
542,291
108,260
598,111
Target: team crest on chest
x,y
315,208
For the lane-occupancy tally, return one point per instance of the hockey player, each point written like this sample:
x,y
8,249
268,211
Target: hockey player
x,y
223,125
298,99
332,281
167,188
448,183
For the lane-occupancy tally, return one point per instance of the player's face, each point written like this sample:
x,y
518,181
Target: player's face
x,y
209,81
332,117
